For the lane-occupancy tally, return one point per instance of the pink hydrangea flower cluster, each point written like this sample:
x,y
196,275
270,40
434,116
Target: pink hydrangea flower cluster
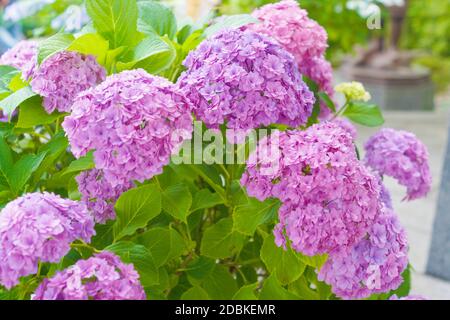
x,y
411,297
246,80
134,121
374,265
99,195
101,277
22,56
329,199
303,37
62,76
39,227
399,154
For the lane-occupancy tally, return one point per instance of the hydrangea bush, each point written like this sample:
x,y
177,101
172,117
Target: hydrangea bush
x,y
120,177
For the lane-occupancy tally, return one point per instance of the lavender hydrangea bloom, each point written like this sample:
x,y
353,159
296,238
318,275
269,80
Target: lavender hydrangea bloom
x,y
246,80
134,121
62,76
22,56
303,37
39,227
411,297
329,199
399,154
374,265
99,195
101,277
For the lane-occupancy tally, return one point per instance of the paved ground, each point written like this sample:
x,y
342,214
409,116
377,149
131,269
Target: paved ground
x,y
417,216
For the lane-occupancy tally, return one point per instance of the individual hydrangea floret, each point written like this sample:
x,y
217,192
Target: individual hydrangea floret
x,y
61,77
99,195
374,265
39,227
400,155
134,121
410,297
101,277
353,91
329,199
245,80
22,56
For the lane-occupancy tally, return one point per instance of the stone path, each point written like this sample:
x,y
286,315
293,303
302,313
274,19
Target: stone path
x,y
418,216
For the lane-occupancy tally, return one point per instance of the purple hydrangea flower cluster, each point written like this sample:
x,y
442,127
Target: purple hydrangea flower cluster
x,y
99,195
134,121
303,37
374,265
22,56
410,297
246,80
329,199
101,277
61,77
39,227
399,154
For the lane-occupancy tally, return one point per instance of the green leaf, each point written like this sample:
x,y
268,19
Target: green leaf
x,y
17,83
103,234
284,264
184,33
195,293
153,54
115,20
199,268
246,292
53,44
316,261
220,241
156,18
176,201
205,199
81,164
91,44
140,257
54,149
135,208
163,243
6,162
301,287
327,100
363,113
220,284
230,22
272,290
23,169
32,113
249,216
7,73
11,102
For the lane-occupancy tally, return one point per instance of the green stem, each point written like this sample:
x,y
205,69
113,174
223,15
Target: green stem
x,y
341,110
84,245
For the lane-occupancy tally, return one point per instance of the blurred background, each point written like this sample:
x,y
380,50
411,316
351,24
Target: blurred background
x,y
399,49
